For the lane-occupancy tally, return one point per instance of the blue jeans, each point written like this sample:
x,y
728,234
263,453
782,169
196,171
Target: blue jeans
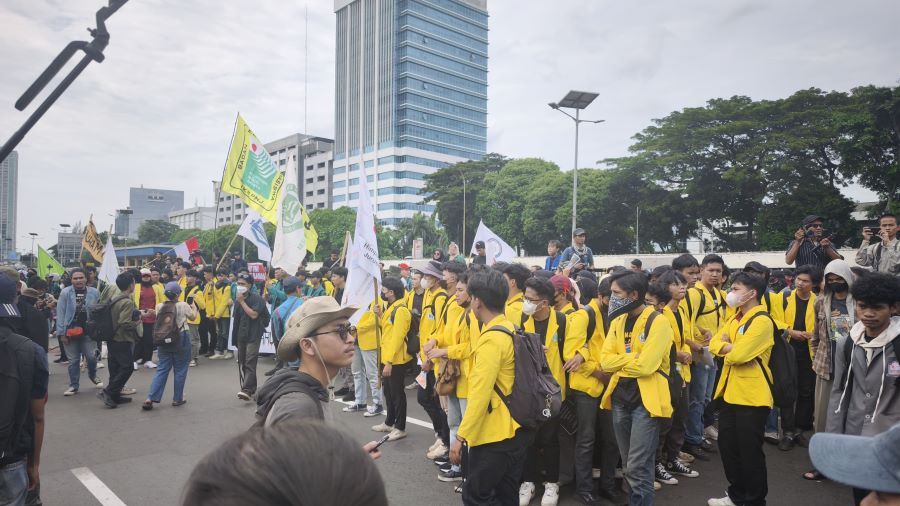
x,y
703,381
14,483
365,376
638,436
772,420
176,358
456,408
75,349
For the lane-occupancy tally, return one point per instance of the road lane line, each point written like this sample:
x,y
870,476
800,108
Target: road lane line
x,y
97,487
409,419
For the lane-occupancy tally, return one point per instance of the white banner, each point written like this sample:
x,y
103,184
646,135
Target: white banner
x,y
363,263
495,248
252,229
289,248
109,269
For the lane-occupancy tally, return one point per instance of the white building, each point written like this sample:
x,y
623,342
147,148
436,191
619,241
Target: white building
x,y
202,218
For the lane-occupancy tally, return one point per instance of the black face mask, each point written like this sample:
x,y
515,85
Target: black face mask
x,y
837,287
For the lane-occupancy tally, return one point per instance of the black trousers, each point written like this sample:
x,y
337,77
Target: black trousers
x,y
207,330
395,397
542,457
800,418
586,408
119,356
143,349
432,405
672,430
494,471
606,449
741,431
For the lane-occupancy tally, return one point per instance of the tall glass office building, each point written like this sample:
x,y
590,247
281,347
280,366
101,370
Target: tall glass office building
x,y
410,97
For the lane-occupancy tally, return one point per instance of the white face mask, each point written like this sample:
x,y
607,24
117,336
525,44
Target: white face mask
x,y
425,283
529,308
733,300
241,289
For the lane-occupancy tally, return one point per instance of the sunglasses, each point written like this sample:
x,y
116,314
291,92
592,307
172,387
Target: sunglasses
x,y
343,331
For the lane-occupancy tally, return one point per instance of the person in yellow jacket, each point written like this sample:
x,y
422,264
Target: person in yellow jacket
x,y
636,351
431,324
207,317
515,275
745,343
666,295
564,300
395,321
192,294
497,444
222,312
456,345
542,459
800,317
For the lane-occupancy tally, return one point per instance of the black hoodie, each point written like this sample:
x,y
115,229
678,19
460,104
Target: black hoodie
x,y
288,381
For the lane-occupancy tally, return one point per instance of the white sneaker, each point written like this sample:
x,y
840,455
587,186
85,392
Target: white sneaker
x,y
244,396
128,391
437,451
526,493
97,383
551,494
150,365
192,363
228,356
382,427
70,391
657,486
596,473
711,433
100,365
396,434
687,458
139,361
721,501
434,445
217,356
136,366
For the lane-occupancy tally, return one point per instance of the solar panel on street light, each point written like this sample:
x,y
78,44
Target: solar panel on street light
x,y
578,99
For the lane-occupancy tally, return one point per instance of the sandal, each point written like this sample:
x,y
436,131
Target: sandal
x,y
814,475
179,403
147,406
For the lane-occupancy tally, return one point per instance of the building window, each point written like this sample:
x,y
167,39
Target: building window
x,y
321,164
238,205
237,216
309,194
221,199
321,178
295,158
309,180
309,206
221,220
321,192
310,167
228,197
222,209
320,205
282,162
228,208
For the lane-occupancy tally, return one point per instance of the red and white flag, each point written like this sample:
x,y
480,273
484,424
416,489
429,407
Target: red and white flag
x,y
184,250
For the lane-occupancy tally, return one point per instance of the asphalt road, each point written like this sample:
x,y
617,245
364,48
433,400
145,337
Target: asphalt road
x,y
143,458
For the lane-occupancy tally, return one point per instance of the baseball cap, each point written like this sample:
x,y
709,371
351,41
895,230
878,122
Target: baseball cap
x,y
561,282
291,284
404,266
245,276
479,244
145,272
8,293
578,231
173,287
812,218
755,266
870,463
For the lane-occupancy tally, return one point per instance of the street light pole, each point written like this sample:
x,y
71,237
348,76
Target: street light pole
x,y
33,237
464,216
575,173
637,229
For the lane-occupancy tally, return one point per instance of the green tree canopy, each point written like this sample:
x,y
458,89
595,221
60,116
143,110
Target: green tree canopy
x,y
156,231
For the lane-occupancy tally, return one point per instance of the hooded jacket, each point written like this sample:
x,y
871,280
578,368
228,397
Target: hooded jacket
x,y
299,388
824,341
866,400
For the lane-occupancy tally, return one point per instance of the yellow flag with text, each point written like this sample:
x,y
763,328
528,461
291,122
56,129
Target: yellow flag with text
x,y
91,242
251,174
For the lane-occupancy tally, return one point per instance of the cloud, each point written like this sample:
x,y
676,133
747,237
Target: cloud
x,y
160,110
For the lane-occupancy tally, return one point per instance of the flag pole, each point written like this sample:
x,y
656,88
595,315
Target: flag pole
x,y
343,259
226,249
81,253
377,332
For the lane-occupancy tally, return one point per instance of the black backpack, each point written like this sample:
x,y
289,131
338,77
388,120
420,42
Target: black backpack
x,y
16,378
100,324
412,335
535,396
782,363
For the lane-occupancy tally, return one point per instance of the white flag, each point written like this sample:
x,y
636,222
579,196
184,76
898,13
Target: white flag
x,y
495,248
363,263
109,269
252,229
289,248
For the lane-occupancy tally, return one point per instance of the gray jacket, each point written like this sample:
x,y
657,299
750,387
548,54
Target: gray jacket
x,y
869,403
880,257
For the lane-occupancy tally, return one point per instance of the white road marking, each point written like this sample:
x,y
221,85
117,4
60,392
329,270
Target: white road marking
x,y
97,487
409,419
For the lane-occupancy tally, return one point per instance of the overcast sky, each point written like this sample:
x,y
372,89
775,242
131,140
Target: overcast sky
x,y
160,110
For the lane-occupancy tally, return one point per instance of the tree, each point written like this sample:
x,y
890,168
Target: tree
x,y
424,227
156,231
445,189
182,235
332,226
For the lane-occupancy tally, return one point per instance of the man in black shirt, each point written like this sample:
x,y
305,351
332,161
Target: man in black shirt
x,y
809,247
250,317
480,256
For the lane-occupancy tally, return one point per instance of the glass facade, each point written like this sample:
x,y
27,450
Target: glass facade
x,y
411,96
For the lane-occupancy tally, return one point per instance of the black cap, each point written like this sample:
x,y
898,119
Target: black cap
x,y
246,277
479,244
812,218
755,266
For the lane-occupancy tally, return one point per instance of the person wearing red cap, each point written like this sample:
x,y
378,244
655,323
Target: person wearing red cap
x,y
405,277
563,300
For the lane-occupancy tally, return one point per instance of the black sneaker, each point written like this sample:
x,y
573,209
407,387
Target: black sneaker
x,y
61,360
107,400
588,499
350,397
801,440
445,467
708,446
450,476
123,400
696,451
614,496
787,443
664,476
443,459
676,467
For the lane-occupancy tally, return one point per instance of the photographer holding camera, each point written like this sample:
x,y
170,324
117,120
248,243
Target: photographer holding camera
x,y
880,249
809,247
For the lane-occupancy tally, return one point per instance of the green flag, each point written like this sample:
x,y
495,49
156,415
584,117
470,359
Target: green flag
x,y
47,264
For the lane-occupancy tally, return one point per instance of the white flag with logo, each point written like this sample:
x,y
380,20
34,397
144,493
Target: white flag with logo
x,y
109,269
252,229
363,262
495,248
289,248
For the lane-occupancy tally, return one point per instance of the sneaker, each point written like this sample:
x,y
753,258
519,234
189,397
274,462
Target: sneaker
x,y
445,467
60,360
721,501
676,467
438,451
350,397
613,495
687,458
771,438
374,411
150,365
437,442
123,400
136,366
708,446
228,356
97,383
787,443
396,434
70,391
458,489
342,391
139,361
657,486
107,400
442,460
209,354
452,476
128,391
100,365
192,363
596,473
801,440
526,493
551,494
244,396
711,433
382,427
354,408
587,499
217,355
696,452
663,476
412,386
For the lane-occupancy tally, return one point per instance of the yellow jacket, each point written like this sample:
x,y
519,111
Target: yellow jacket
x,y
776,310
431,324
551,342
742,381
209,298
158,289
679,334
365,331
329,287
393,333
222,297
647,361
711,316
193,291
576,337
514,308
809,322
487,419
459,346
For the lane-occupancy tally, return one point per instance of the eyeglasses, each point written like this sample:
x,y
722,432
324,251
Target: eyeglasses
x,y
816,225
343,331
